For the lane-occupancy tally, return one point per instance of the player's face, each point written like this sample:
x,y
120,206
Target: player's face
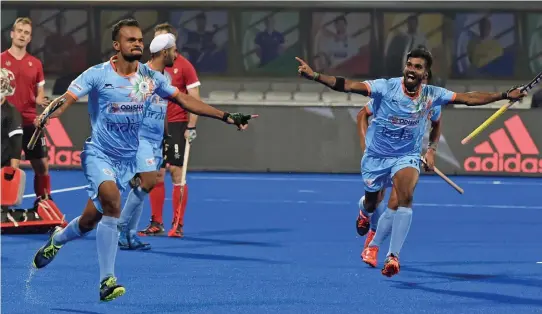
x,y
171,56
414,72
21,35
130,43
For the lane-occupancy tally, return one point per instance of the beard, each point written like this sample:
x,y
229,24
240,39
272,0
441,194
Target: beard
x,y
132,57
411,85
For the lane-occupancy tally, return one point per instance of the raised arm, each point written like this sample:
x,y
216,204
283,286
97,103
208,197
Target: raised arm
x,y
336,83
484,98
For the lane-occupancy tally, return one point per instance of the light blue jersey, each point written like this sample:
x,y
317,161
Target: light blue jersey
x,y
395,136
155,116
399,121
116,104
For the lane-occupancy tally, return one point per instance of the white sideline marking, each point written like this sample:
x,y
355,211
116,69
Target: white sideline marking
x,y
75,188
539,262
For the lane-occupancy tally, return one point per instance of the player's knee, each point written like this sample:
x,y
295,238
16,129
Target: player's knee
x,y
109,197
148,181
176,174
40,166
160,176
405,199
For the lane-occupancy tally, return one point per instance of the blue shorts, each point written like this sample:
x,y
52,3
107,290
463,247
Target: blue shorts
x,y
377,173
99,167
149,156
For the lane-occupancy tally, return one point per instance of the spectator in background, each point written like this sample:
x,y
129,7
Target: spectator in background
x,y
536,100
199,44
484,49
269,42
402,43
58,48
334,47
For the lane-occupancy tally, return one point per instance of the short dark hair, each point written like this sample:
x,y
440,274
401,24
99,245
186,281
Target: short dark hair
x,y
120,24
422,53
166,27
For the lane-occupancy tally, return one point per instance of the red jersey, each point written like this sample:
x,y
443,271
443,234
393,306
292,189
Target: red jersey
x,y
28,74
184,77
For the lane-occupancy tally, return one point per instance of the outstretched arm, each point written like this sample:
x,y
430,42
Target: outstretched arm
x,y
200,108
483,98
336,83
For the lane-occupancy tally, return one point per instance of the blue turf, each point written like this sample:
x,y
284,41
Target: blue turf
x,y
278,243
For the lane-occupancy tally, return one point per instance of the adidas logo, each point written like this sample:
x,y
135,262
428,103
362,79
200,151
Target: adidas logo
x,y
503,155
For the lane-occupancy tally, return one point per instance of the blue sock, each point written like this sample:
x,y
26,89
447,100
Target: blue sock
x,y
131,213
401,226
376,215
107,239
385,224
71,232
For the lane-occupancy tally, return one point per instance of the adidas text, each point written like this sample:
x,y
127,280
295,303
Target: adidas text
x,y
504,163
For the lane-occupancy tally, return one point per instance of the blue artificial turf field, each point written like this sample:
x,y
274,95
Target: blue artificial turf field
x,y
285,243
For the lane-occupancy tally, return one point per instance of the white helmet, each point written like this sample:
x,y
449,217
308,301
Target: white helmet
x,y
7,82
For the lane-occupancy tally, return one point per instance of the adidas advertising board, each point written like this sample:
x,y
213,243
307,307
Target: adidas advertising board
x,y
325,140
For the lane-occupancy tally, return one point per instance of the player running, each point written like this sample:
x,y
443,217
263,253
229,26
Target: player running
x,y
181,127
369,256
394,138
29,92
118,90
362,125
149,154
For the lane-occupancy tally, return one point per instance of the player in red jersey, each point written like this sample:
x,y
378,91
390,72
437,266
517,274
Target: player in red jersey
x,y
29,92
181,127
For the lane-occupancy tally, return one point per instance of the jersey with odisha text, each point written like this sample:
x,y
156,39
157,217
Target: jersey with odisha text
x,y
117,104
399,121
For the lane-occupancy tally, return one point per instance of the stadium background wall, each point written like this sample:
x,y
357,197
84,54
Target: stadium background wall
x,y
324,139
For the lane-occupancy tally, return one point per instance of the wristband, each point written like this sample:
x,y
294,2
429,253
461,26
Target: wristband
x,y
504,95
339,84
432,146
191,128
225,117
315,76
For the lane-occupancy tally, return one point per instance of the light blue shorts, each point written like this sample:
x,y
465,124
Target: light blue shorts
x,y
149,156
99,167
377,173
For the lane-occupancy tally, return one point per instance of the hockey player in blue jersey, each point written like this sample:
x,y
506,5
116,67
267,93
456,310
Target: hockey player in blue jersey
x,y
117,93
149,154
394,139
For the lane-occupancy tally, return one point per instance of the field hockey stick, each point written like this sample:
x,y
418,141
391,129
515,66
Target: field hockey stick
x,y
183,183
499,113
444,177
43,120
